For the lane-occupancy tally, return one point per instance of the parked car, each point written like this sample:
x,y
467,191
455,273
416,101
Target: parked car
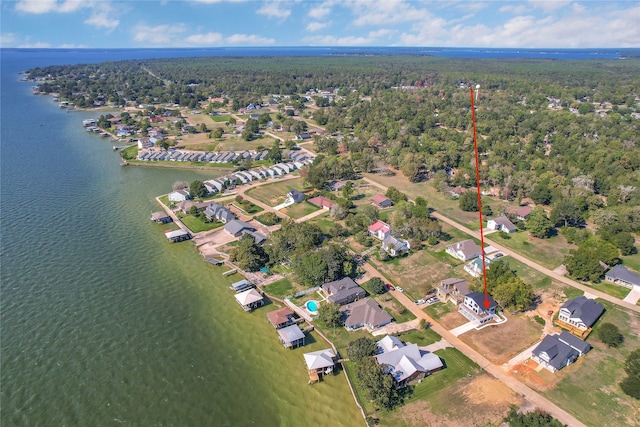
x,y
390,287
400,289
498,255
433,300
420,302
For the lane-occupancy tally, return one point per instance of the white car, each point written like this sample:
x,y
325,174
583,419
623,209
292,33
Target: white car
x,y
399,289
420,302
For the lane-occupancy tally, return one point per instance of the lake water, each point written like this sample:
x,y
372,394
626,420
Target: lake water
x,y
105,323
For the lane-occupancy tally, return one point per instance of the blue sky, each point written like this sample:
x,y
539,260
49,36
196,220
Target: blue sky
x,y
212,23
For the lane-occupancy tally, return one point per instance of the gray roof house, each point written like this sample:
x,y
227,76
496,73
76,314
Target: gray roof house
x,y
291,336
161,217
343,291
395,246
237,227
453,289
473,307
321,361
295,196
219,213
620,275
365,313
580,312
407,363
557,351
501,223
465,250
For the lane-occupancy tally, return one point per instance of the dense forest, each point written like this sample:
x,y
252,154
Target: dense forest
x,y
564,133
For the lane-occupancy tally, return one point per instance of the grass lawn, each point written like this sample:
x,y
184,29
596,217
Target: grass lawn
x,y
611,289
197,225
220,119
631,261
281,288
274,193
165,200
392,306
547,252
528,275
589,389
248,208
323,222
439,310
299,210
421,337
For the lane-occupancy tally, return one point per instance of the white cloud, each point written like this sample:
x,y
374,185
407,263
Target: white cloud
x,y
36,45
208,39
248,40
371,39
159,35
7,39
274,10
101,19
322,11
315,26
549,5
46,6
385,12
518,9
578,8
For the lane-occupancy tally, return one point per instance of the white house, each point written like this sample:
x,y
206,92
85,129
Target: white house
x,y
179,196
501,223
465,250
380,230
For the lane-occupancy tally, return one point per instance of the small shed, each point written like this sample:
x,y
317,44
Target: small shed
x,y
161,217
250,299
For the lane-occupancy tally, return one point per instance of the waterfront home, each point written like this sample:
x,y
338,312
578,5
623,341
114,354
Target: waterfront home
x,y
407,364
579,313
320,363
177,235
465,250
395,246
379,229
620,275
501,223
161,217
343,291
381,201
365,313
185,207
291,336
249,299
474,268
179,196
474,310
453,290
282,317
557,351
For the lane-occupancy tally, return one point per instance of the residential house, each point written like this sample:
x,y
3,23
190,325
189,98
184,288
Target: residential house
x,y
291,336
406,363
395,246
465,250
343,291
474,268
501,223
236,228
579,313
185,207
473,307
380,230
282,317
294,196
249,299
219,213
523,213
320,362
620,275
557,351
177,235
381,201
179,196
161,217
365,313
322,202
453,290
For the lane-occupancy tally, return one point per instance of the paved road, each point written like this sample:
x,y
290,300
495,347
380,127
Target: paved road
x,y
523,390
539,267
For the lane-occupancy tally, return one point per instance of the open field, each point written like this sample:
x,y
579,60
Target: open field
x,y
499,343
299,210
282,288
589,389
422,337
202,142
274,193
198,225
447,397
547,252
631,261
610,288
529,275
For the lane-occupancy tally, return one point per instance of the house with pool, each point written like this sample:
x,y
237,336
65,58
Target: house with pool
x,y
343,291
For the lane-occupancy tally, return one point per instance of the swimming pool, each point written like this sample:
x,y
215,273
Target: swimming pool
x,y
312,306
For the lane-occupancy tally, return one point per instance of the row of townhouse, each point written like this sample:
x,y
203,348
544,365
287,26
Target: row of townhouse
x,y
198,156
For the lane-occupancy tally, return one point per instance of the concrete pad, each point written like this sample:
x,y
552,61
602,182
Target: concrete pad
x,y
464,328
633,296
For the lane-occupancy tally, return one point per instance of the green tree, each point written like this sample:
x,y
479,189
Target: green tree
x,y
537,418
538,224
361,348
377,383
395,195
377,286
609,334
468,201
217,133
197,189
514,294
248,255
329,313
348,190
566,213
631,384
541,194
